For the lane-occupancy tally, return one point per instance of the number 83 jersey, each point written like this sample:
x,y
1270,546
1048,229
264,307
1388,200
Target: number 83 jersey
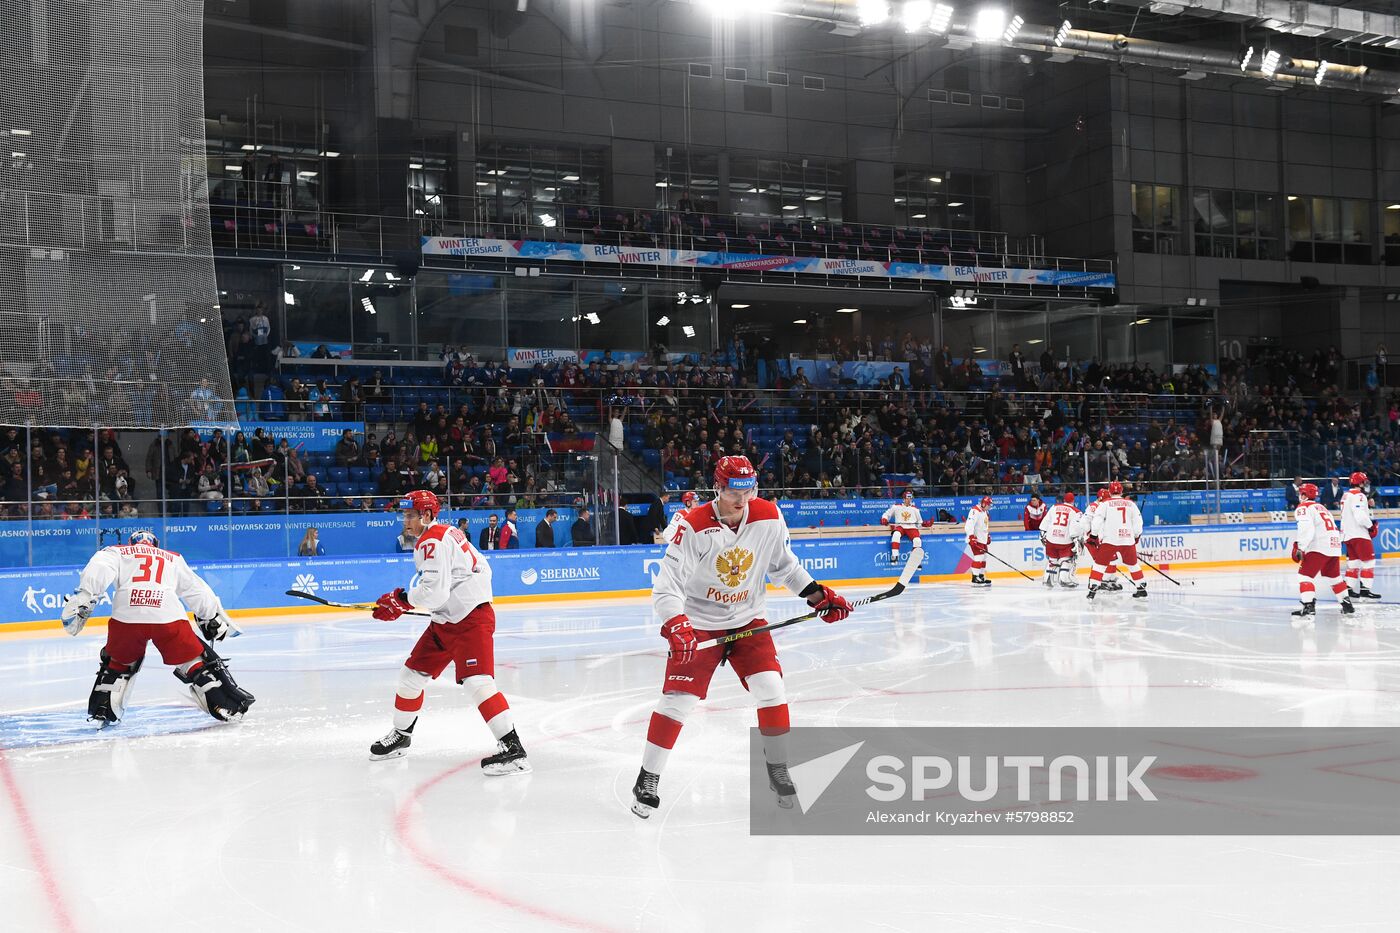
x,y
151,584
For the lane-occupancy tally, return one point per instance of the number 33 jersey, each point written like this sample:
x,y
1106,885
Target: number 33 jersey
x,y
151,584
717,576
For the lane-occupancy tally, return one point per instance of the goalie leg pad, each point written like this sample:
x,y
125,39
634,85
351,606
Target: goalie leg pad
x,y
107,701
213,687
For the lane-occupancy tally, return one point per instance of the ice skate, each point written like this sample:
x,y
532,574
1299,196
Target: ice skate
x,y
644,796
1364,593
981,581
394,745
1349,608
509,759
1303,615
1140,592
781,784
1093,591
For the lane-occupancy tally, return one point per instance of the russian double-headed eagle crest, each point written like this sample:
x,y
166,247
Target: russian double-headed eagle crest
x,y
733,566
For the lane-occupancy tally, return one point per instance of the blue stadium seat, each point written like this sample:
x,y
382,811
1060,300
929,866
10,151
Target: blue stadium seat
x,y
269,505
359,474
337,474
213,505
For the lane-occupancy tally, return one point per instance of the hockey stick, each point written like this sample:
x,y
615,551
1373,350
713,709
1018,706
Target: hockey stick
x,y
363,607
989,553
1159,570
911,568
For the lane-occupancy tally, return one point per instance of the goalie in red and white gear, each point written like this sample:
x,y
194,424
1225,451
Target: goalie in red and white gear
x,y
905,521
1317,550
1113,535
978,529
712,582
1057,534
1358,534
152,588
453,585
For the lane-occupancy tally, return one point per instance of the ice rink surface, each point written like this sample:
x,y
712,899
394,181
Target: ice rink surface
x,y
280,823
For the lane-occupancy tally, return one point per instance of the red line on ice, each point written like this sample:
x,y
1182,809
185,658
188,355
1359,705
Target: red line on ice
x,y
36,848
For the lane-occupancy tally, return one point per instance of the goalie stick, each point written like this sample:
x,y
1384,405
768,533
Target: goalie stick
x,y
364,607
911,568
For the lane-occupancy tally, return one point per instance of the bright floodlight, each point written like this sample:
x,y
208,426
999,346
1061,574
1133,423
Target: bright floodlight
x,y
1012,28
1270,63
942,16
1062,33
872,12
1322,67
1248,57
915,14
990,24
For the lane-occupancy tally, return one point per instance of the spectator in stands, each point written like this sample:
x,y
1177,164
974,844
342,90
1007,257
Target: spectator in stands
x,y
376,389
320,398
429,449
182,481
1332,493
311,497
347,449
433,479
311,544
352,400
211,484
298,404
490,538
1017,364
544,531
393,481
257,484
581,533
685,205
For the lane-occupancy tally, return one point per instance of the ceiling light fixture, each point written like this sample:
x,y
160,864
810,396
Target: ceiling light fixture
x,y
1270,63
1013,28
1062,33
940,20
1248,57
989,24
872,12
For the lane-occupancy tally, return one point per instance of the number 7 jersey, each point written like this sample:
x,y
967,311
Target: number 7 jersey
x,y
152,584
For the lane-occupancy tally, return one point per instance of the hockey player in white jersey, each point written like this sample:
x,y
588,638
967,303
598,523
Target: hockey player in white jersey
x,y
453,584
905,521
1317,550
978,529
1081,535
689,500
1358,534
712,582
152,588
1113,535
1057,531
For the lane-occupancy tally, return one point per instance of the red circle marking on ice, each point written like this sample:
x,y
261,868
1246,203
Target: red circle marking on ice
x,y
1203,773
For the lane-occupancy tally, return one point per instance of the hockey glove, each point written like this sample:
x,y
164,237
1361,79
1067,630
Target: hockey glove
x,y
978,547
928,523
76,609
1093,541
884,521
830,605
391,605
217,628
1297,555
680,638
1373,529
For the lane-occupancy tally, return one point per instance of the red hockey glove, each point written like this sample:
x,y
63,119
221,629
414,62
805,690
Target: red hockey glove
x,y
1297,555
830,605
1373,529
1093,541
977,546
884,521
392,605
680,637
928,523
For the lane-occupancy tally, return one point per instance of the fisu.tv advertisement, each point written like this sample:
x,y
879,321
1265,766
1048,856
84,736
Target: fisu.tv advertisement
x,y
35,595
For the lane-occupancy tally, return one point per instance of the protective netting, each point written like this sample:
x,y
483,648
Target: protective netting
x,y
108,306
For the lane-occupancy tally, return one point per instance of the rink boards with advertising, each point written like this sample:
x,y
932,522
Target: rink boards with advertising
x,y
31,598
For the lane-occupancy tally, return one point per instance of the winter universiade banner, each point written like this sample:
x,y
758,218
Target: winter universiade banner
x,y
30,596
758,262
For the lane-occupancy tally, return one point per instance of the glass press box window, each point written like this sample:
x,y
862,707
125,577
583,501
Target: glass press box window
x,y
527,183
1155,227
936,199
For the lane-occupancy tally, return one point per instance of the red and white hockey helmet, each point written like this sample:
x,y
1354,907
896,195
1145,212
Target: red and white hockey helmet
x,y
1104,493
735,472
144,537
420,500
1115,488
908,494
1069,498
1307,492
985,503
688,498
1358,478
